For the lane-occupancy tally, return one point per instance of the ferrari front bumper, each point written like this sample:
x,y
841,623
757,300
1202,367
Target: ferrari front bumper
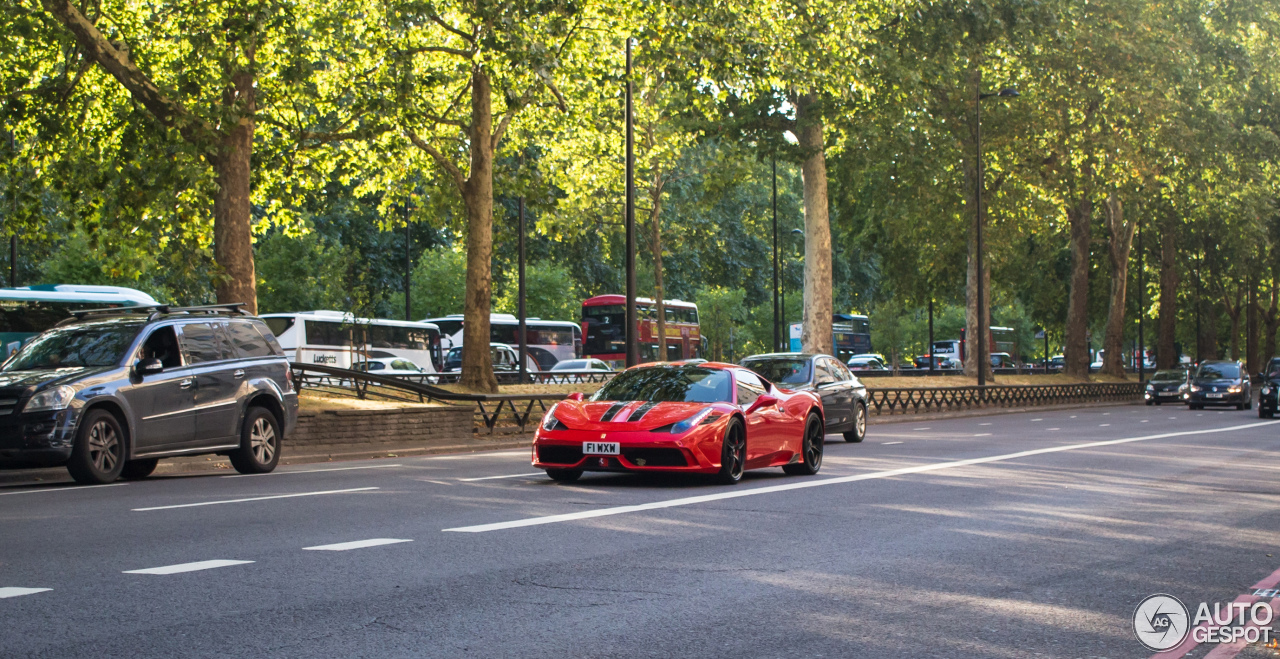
x,y
638,451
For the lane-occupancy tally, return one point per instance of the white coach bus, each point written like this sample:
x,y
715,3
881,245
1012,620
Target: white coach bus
x,y
550,341
334,338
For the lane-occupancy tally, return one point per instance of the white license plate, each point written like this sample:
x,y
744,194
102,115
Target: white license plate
x,y
601,448
1213,395
1168,393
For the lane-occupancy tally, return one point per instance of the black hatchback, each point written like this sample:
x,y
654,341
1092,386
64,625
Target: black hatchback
x,y
1167,386
111,392
1220,382
844,397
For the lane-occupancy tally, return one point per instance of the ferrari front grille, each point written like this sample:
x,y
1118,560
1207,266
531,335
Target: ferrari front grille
x,y
655,457
560,455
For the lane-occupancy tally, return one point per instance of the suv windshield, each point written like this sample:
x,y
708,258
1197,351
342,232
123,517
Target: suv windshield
x,y
76,347
1218,372
688,384
781,371
1165,376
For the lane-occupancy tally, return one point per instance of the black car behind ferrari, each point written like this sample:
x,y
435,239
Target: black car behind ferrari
x,y
844,398
1270,391
1167,386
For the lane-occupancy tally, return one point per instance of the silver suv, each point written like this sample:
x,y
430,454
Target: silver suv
x,y
110,392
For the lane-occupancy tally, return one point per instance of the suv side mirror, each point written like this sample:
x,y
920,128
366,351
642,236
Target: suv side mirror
x,y
147,366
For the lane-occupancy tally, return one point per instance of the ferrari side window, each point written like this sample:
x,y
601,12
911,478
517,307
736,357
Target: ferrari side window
x,y
750,387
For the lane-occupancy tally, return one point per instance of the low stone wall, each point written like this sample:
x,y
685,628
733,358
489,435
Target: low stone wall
x,y
436,425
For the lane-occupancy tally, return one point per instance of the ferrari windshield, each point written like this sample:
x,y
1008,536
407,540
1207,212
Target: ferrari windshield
x,y
100,344
688,384
781,371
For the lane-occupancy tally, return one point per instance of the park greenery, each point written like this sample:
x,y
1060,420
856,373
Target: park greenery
x,y
273,152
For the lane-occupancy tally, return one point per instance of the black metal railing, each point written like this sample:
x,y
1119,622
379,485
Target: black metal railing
x,y
945,399
494,413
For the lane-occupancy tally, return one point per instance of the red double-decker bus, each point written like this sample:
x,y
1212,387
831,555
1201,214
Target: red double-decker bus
x,y
604,334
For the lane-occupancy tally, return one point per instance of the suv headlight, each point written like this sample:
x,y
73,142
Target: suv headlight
x,y
1195,387
49,400
1234,389
1266,391
1150,388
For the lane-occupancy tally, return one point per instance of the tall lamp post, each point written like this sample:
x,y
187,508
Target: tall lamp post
x,y
800,233
777,329
982,358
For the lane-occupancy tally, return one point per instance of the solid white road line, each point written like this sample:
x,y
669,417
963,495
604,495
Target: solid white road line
x,y
68,488
922,428
1055,429
315,471
984,424
489,478
186,567
983,434
937,466
357,544
14,591
1103,425
277,496
1034,420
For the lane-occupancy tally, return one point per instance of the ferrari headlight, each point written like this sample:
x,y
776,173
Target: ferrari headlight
x,y
55,398
550,422
684,426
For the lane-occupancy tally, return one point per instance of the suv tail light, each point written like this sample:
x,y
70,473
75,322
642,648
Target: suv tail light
x,y
288,378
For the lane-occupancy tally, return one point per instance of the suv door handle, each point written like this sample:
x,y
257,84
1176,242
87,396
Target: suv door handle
x,y
186,384
239,373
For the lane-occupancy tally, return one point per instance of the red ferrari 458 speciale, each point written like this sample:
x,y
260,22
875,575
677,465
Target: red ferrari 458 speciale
x,y
705,418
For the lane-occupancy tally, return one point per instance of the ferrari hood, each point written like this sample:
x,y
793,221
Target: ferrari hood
x,y
627,415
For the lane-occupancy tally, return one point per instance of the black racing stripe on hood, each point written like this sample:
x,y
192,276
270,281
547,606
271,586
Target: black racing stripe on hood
x,y
641,411
612,412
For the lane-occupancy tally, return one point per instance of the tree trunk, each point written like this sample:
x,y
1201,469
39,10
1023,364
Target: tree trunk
x,y
655,215
1233,312
971,359
233,173
1271,320
1118,253
1076,348
477,366
1251,328
816,336
1166,356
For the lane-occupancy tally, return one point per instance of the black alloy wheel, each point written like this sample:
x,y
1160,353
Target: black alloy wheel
x,y
859,431
814,440
733,453
97,458
259,450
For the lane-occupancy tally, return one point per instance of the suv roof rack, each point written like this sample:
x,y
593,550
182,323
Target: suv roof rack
x,y
156,310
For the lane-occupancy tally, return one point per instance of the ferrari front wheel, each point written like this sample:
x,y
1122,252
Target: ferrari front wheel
x,y
733,453
814,438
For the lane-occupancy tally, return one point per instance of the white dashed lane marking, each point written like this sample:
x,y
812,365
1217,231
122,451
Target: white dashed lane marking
x,y
187,567
277,496
983,434
357,544
14,591
489,478
891,443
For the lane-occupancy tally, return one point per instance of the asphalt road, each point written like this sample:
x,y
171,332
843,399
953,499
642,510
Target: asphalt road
x,y
1022,535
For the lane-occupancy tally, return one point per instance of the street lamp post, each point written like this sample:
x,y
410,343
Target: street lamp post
x,y
982,358
798,232
777,341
